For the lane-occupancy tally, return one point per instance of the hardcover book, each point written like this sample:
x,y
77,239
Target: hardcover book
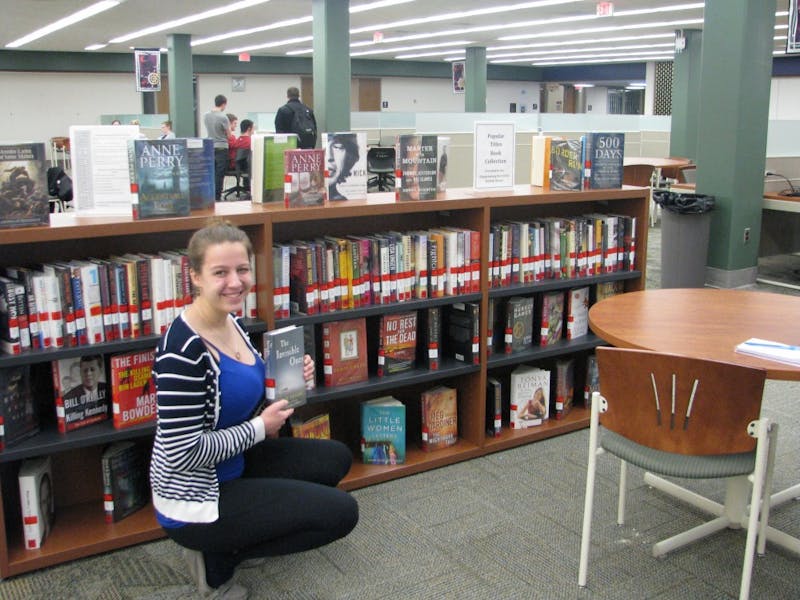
x,y
592,380
429,347
345,165
519,323
416,166
125,480
344,347
383,431
550,319
19,413
36,499
439,414
159,175
81,391
529,397
603,160
397,351
133,390
201,172
540,161
267,177
566,172
304,178
318,427
564,387
608,289
283,360
10,330
24,199
494,407
462,331
577,312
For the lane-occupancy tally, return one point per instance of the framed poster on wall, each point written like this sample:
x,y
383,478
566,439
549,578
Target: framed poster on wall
x,y
148,69
793,39
458,77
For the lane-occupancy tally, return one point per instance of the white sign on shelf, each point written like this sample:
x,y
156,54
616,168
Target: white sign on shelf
x,y
494,145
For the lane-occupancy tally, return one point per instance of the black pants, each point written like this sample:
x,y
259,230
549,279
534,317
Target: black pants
x,y
286,501
221,160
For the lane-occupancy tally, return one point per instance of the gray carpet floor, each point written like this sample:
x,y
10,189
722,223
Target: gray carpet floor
x,y
503,526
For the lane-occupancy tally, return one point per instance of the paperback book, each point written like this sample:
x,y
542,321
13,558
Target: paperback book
x,y
125,480
133,390
36,499
267,177
566,172
577,312
550,318
383,431
603,160
159,176
284,350
318,427
345,165
564,387
24,199
529,397
519,324
439,415
19,413
81,391
304,177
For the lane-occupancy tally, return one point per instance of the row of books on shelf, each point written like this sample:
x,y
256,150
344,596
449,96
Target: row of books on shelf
x,y
83,302
592,161
75,393
334,273
560,248
124,466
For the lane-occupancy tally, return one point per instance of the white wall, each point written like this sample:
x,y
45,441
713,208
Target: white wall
x,y
410,94
784,99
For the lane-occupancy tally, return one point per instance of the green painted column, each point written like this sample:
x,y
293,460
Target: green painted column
x,y
475,80
181,88
686,82
736,69
331,67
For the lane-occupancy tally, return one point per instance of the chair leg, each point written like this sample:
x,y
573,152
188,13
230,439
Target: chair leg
x,y
759,478
765,503
589,499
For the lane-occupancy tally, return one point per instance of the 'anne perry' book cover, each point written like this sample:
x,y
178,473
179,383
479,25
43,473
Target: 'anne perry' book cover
x,y
304,177
383,431
133,390
24,200
159,174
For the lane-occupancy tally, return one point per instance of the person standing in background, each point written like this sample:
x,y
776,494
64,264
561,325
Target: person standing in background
x,y
295,117
217,128
166,131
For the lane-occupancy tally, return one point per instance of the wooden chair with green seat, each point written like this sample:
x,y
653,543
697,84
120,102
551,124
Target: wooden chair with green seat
x,y
676,416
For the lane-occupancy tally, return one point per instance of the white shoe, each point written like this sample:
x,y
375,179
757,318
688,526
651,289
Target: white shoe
x,y
230,591
197,568
252,563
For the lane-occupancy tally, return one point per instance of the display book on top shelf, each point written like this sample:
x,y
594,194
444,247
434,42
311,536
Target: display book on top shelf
x,y
79,528
78,238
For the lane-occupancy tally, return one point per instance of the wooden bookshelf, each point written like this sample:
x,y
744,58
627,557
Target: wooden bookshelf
x,y
80,530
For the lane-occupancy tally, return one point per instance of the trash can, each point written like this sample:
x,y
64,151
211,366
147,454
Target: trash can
x,y
685,228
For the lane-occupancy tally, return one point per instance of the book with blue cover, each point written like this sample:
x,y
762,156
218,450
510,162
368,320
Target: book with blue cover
x,y
603,160
383,431
159,174
201,172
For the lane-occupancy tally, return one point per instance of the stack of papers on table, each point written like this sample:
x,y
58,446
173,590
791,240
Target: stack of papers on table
x,y
784,353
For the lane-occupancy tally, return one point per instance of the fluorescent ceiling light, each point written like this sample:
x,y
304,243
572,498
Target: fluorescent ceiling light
x,y
576,61
297,40
95,47
418,47
76,17
569,32
584,50
174,24
624,38
377,4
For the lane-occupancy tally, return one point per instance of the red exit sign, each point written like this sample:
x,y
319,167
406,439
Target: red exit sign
x,y
605,9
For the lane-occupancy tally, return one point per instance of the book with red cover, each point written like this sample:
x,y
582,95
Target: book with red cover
x,y
344,347
397,351
318,427
304,177
439,414
133,391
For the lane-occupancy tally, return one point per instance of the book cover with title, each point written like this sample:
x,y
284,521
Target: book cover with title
x,y
159,176
383,431
284,350
81,391
345,165
304,178
417,166
133,390
439,415
36,500
24,199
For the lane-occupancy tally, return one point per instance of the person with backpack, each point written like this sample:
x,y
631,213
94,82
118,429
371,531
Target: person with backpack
x,y
295,117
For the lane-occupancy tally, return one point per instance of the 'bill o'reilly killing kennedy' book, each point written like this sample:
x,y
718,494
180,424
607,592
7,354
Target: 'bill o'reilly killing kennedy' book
x,y
159,173
24,201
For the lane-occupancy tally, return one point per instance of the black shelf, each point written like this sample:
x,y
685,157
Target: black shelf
x,y
560,284
587,342
375,309
127,345
448,368
50,441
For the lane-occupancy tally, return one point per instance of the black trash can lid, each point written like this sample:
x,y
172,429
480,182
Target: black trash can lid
x,y
683,203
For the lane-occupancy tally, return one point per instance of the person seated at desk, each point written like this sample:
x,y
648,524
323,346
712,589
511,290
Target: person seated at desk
x,y
242,142
166,131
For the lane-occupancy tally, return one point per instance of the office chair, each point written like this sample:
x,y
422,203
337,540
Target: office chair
x,y
241,172
380,166
676,416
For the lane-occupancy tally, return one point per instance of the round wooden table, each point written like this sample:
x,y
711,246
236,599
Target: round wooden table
x,y
706,323
701,322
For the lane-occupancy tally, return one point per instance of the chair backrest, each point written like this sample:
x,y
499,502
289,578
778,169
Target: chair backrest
x,y
242,161
687,174
713,401
380,159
